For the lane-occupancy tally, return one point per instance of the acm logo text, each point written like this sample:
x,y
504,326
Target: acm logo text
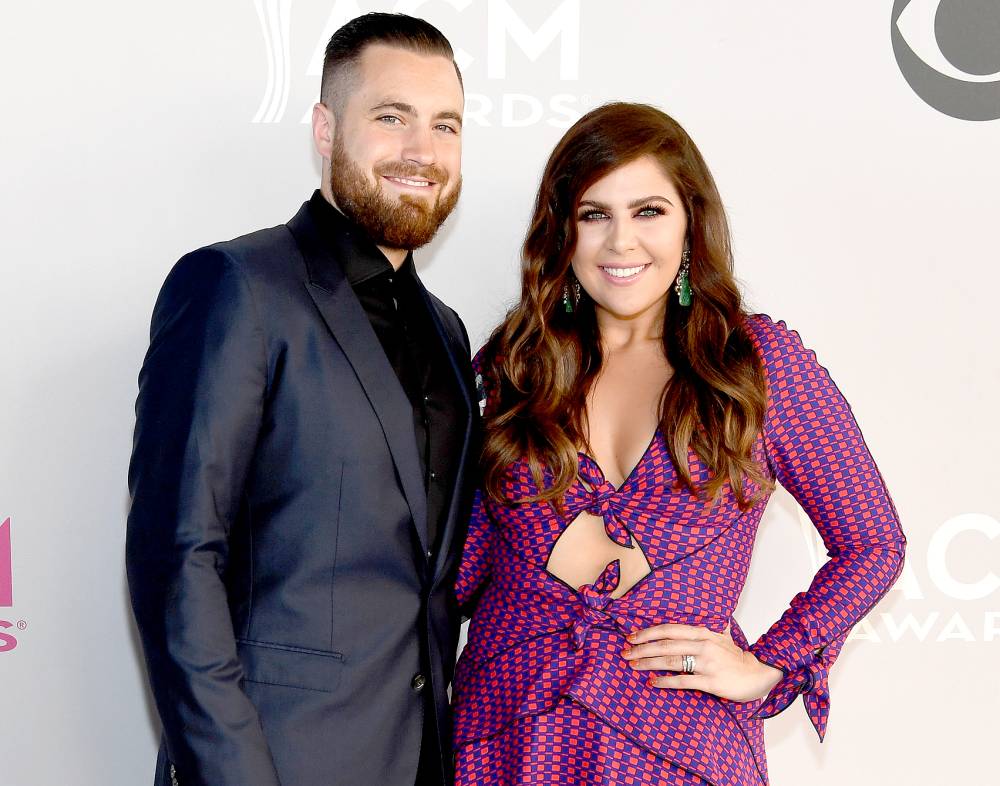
x,y
504,26
946,588
7,640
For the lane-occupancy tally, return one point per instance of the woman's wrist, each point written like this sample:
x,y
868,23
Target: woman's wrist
x,y
769,676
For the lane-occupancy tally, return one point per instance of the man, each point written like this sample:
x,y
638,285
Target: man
x,y
300,477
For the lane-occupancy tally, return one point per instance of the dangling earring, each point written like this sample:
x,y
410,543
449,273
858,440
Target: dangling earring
x,y
570,302
683,286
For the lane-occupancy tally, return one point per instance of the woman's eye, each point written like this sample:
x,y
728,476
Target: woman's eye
x,y
649,212
593,215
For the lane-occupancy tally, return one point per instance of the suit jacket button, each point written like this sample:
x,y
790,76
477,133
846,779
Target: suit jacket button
x,y
418,682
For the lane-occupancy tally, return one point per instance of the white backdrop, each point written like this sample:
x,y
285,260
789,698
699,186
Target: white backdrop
x,y
863,202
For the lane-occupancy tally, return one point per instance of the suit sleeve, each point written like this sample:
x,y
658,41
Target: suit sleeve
x,y
817,453
198,413
476,566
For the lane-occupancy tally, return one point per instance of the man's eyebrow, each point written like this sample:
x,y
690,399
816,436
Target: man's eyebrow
x,y
631,205
409,109
449,114
399,106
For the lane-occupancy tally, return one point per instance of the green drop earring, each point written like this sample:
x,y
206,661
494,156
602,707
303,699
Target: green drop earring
x,y
683,285
571,301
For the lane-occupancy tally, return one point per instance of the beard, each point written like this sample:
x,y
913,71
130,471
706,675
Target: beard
x,y
405,223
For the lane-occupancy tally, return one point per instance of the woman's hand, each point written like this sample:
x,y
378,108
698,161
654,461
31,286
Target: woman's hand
x,y
721,667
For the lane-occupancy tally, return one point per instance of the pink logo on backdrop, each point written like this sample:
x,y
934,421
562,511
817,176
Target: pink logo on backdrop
x,y
7,640
6,574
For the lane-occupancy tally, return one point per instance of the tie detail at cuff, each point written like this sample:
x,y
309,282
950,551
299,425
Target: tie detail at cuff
x,y
811,680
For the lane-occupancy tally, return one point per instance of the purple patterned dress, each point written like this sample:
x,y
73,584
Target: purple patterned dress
x,y
541,692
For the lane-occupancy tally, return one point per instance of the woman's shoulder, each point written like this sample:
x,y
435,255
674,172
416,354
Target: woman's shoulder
x,y
479,358
764,329
793,370
774,340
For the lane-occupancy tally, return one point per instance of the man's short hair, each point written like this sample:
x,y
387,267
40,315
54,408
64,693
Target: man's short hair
x,y
347,44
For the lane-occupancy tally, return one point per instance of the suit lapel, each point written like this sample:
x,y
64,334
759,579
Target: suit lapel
x,y
347,321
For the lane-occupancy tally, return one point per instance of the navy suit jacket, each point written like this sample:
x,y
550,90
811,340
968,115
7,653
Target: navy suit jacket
x,y
277,551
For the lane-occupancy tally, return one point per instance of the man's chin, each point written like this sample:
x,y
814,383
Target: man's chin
x,y
416,205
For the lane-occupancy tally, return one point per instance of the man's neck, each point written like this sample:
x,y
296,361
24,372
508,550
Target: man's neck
x,y
396,256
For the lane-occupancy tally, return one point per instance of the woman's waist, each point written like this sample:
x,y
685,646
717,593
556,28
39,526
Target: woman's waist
x,y
518,628
536,603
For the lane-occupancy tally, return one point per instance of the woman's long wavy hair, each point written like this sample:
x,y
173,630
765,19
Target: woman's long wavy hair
x,y
541,361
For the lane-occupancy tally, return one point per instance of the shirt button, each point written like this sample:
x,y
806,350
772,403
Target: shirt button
x,y
418,682
433,476
430,554
426,399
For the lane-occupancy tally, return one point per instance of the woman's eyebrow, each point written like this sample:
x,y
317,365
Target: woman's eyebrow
x,y
644,200
633,204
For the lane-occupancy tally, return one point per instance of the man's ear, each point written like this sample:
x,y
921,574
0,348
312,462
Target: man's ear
x,y
324,128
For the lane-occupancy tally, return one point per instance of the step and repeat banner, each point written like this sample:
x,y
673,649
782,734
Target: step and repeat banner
x,y
856,148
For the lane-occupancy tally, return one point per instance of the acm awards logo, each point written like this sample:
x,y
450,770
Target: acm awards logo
x,y
507,35
960,592
8,641
949,53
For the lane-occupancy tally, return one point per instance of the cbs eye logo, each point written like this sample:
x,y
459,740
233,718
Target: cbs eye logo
x,y
949,53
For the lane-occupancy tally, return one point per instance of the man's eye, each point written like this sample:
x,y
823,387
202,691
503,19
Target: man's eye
x,y
447,128
389,120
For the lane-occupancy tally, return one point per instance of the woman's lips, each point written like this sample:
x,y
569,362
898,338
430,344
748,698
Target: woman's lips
x,y
623,275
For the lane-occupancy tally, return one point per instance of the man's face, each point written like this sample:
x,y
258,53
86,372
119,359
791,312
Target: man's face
x,y
395,165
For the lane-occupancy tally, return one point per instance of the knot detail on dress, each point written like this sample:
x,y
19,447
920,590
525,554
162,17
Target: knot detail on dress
x,y
594,599
604,500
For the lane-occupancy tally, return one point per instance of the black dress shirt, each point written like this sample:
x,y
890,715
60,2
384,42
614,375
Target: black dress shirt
x,y
402,321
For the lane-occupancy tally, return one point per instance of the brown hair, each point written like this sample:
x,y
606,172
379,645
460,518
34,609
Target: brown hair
x,y
346,45
540,361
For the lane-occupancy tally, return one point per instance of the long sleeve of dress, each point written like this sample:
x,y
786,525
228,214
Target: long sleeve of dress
x,y
474,570
817,452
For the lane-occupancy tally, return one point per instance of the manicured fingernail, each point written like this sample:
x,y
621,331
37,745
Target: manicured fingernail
x,y
626,650
631,637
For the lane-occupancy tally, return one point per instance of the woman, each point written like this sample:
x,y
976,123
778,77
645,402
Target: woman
x,y
636,420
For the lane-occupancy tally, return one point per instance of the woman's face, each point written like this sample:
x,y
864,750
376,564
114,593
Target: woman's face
x,y
631,227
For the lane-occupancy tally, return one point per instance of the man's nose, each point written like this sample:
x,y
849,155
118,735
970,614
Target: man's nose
x,y
419,147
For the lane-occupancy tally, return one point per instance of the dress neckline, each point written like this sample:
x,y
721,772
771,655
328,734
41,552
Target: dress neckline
x,y
628,478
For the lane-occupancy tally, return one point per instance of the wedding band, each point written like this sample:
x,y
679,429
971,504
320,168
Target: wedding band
x,y
687,664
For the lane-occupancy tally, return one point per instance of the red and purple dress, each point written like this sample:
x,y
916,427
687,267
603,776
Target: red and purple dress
x,y
541,692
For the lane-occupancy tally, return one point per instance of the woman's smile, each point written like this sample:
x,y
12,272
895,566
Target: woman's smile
x,y
620,275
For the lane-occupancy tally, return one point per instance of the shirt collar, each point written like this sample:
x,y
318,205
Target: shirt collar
x,y
361,258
